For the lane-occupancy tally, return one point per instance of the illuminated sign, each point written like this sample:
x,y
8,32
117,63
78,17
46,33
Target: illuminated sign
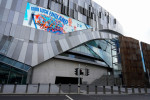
x,y
47,20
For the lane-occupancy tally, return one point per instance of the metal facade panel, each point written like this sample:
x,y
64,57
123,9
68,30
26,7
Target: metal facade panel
x,y
45,51
45,3
69,43
23,52
61,42
17,50
14,4
23,7
11,16
3,3
33,1
52,7
37,2
36,36
7,29
27,33
5,15
32,34
41,3
28,57
2,27
19,5
0,2
12,48
8,4
20,19
50,50
34,55
55,50
40,53
58,46
18,31
45,35
66,44
16,16
40,37
49,36
1,13
23,32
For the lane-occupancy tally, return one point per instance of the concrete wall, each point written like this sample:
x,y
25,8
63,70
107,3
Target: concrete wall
x,y
47,71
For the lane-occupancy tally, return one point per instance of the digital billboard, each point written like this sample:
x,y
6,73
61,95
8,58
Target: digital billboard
x,y
47,20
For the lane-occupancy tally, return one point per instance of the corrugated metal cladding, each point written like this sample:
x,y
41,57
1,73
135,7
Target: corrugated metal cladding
x,y
131,60
32,46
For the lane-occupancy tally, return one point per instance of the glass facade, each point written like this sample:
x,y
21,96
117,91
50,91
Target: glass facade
x,y
105,52
12,71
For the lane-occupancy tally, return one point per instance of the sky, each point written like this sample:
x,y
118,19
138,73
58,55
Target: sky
x,y
133,15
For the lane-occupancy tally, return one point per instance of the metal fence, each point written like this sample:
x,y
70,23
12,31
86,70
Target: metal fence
x,y
69,89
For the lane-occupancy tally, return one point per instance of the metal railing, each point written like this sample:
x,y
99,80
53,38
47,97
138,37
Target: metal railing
x,y
70,89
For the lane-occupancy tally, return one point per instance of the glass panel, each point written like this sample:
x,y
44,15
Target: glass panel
x,y
102,54
4,66
5,47
24,79
18,76
72,56
26,67
1,56
3,75
15,77
18,65
7,60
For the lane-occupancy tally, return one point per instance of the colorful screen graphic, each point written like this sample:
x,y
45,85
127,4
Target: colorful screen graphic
x,y
47,20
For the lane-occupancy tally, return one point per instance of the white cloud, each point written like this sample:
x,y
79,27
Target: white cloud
x,y
134,16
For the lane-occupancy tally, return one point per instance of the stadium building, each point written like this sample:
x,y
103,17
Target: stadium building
x,y
46,41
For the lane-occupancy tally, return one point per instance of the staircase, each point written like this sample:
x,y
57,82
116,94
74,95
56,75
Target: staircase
x,y
107,80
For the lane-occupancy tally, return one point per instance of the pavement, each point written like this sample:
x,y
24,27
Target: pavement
x,y
76,97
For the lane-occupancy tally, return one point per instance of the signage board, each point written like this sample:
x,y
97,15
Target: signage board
x,y
47,20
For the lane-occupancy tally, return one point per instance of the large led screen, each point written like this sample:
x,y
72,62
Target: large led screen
x,y
47,20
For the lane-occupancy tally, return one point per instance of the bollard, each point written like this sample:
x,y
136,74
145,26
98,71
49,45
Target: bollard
x,y
145,89
59,88
139,89
78,89
15,85
27,85
49,88
95,89
69,88
87,89
126,89
112,91
104,90
133,90
38,89
119,91
2,88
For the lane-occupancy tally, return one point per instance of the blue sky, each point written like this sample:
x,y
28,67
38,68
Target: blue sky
x,y
134,16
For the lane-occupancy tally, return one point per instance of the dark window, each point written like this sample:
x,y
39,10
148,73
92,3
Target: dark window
x,y
67,80
108,19
11,75
100,15
115,21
